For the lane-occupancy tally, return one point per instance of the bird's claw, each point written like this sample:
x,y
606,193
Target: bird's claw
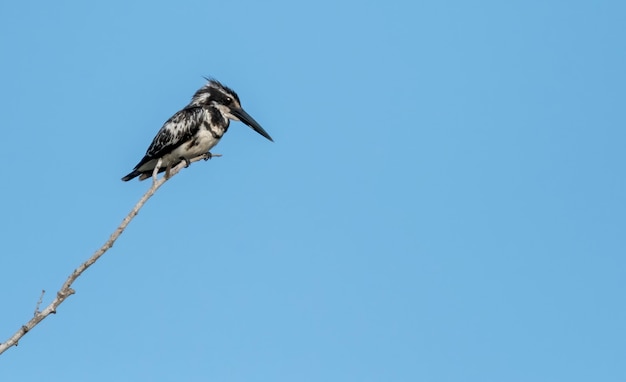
x,y
187,162
208,156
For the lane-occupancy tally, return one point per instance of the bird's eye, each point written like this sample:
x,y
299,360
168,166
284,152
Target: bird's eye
x,y
228,100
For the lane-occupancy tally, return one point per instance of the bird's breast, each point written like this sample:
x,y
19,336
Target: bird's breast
x,y
204,140
200,144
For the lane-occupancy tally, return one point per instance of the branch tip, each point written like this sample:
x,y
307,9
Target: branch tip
x,y
43,291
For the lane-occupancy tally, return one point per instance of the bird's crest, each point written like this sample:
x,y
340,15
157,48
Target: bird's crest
x,y
213,90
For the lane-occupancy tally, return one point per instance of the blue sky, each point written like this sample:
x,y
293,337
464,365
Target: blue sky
x,y
444,200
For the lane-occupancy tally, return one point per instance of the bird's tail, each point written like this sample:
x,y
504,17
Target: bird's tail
x,y
132,175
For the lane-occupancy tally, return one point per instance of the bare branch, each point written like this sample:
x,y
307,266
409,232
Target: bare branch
x,y
66,290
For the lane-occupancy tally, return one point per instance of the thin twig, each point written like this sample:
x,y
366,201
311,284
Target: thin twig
x,y
43,291
66,290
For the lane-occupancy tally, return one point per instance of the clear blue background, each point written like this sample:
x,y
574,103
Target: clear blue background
x,y
445,200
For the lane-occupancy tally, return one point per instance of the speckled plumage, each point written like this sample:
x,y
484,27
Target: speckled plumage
x,y
194,130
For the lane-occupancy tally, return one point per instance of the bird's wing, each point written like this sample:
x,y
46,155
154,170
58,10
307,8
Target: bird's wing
x,y
175,131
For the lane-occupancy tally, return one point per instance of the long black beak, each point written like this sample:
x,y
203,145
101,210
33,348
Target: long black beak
x,y
248,120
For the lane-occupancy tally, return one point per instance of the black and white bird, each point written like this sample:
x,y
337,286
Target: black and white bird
x,y
194,130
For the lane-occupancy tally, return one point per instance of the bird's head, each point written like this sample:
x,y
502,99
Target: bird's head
x,y
227,102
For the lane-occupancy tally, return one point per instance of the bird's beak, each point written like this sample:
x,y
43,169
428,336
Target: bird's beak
x,y
248,120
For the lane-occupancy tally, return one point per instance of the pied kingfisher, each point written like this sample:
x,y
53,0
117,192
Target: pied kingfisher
x,y
194,130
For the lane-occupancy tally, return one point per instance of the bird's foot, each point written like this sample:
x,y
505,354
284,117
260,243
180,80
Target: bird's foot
x,y
187,162
208,156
